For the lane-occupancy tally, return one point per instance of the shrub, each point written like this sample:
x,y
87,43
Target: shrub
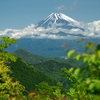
x,y
85,80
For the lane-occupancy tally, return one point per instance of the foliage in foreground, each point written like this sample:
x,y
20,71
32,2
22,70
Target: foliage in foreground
x,y
85,80
8,88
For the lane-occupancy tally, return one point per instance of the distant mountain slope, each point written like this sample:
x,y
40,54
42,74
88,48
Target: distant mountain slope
x,y
50,66
28,75
53,24
34,59
52,69
46,37
58,20
45,47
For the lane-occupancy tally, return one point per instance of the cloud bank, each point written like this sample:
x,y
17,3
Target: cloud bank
x,y
90,30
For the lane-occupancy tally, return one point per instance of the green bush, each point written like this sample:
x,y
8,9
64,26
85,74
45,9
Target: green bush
x,y
8,88
85,80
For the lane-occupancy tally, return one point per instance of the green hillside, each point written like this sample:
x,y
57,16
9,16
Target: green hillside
x,y
52,69
27,74
50,66
40,80
34,59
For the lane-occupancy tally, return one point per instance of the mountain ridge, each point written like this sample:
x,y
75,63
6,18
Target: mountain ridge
x,y
33,58
53,24
27,74
56,19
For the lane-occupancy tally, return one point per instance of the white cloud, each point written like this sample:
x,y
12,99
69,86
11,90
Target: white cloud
x,y
62,7
90,29
70,8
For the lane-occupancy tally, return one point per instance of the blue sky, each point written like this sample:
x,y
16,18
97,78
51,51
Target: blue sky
x,y
18,14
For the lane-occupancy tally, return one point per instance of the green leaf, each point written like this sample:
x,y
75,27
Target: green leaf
x,y
91,86
70,52
77,71
8,40
73,56
98,53
92,58
78,57
86,59
71,70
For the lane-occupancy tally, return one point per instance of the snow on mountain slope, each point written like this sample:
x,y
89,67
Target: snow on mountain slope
x,y
56,26
58,20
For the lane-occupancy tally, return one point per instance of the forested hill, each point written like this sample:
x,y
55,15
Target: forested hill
x,y
27,74
34,59
52,69
50,66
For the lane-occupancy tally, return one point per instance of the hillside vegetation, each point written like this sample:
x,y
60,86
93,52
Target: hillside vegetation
x,y
27,74
52,69
50,66
34,59
17,78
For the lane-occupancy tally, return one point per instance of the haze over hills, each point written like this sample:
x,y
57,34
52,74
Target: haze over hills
x,y
34,59
46,37
44,47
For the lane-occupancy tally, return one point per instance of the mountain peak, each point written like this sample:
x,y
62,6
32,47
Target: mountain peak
x,y
57,20
57,16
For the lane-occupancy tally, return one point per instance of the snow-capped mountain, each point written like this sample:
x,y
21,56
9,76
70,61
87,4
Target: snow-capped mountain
x,y
56,26
46,37
58,20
